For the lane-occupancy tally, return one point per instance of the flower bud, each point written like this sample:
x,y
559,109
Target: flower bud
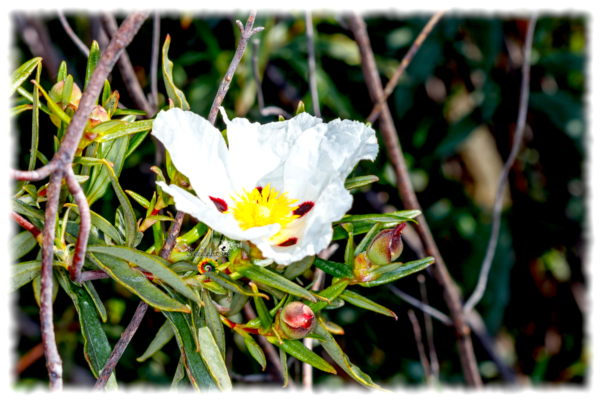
x,y
97,116
56,95
387,246
297,320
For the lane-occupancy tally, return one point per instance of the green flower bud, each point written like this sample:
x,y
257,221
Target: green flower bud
x,y
387,246
297,320
56,95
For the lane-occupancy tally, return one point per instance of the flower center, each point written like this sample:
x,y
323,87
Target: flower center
x,y
262,207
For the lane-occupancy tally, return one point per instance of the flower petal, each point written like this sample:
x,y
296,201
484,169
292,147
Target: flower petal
x,y
198,151
257,152
207,213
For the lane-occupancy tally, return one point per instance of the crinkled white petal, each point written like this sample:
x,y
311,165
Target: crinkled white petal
x,y
198,151
257,152
313,233
207,213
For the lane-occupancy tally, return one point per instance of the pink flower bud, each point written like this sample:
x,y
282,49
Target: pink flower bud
x,y
297,320
387,246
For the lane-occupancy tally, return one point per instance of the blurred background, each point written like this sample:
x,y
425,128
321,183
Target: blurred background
x,y
455,110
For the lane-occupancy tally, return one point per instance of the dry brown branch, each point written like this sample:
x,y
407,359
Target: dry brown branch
x,y
165,252
435,366
518,138
127,72
389,88
121,345
246,32
154,61
29,358
420,347
72,34
409,199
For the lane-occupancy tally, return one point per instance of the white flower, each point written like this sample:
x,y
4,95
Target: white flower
x,y
278,185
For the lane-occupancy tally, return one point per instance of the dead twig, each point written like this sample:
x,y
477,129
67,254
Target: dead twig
x,y
518,138
312,77
409,199
72,34
127,72
440,316
246,32
264,111
154,61
435,366
165,252
420,347
389,88
121,345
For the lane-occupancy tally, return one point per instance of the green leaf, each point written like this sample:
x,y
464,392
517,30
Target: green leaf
x,y
135,141
29,97
353,183
296,349
19,109
105,93
89,287
331,293
179,379
213,358
401,272
23,273
297,268
263,312
127,111
213,321
113,152
110,105
159,269
300,108
21,73
131,226
237,303
37,288
87,161
99,222
214,287
255,350
54,108
172,91
164,336
93,59
398,216
62,71
275,280
125,129
96,347
21,244
349,252
139,198
366,240
196,369
136,282
363,302
360,227
334,350
67,90
193,234
284,367
227,283
255,323
21,208
333,268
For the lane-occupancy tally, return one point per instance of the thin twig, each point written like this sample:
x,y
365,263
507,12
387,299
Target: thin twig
x,y
409,199
154,61
26,224
389,88
312,77
84,226
420,347
440,316
264,111
29,358
250,378
435,366
72,34
518,138
165,252
224,86
121,345
127,72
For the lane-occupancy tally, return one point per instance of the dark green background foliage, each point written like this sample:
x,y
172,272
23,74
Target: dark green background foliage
x,y
462,86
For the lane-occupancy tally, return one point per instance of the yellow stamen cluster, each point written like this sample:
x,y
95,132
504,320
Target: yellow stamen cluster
x,y
262,208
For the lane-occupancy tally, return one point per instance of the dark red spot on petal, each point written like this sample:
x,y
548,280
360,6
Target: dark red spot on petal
x,y
219,203
304,208
289,242
259,188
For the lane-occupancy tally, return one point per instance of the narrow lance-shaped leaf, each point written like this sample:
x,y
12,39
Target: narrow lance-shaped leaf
x,y
19,109
25,272
54,108
125,129
296,349
21,74
263,311
255,350
164,336
135,141
359,181
35,120
397,216
151,264
333,268
367,304
99,222
93,59
366,240
404,270
232,285
198,374
179,379
213,358
113,152
283,362
89,287
331,293
213,321
29,97
172,91
271,278
297,268
21,244
127,209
